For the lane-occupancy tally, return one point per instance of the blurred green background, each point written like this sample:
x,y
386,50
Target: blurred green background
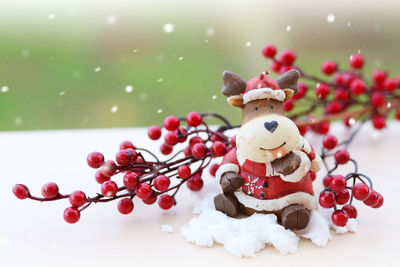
x,y
92,64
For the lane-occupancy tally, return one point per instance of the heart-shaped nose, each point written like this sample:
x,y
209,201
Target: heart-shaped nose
x,y
271,125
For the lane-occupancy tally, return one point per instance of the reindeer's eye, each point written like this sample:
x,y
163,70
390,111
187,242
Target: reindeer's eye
x,y
256,108
271,107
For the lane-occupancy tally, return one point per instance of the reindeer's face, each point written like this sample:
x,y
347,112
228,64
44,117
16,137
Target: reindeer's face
x,y
266,134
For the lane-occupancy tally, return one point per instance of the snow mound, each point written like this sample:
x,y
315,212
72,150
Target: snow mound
x,y
245,236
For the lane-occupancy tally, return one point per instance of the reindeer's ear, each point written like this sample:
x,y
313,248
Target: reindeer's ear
x,y
288,80
233,84
289,93
236,101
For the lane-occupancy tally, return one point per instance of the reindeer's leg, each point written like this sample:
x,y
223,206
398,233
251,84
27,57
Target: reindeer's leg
x,y
295,217
228,204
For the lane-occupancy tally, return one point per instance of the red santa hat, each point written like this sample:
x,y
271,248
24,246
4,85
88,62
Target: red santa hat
x,y
262,87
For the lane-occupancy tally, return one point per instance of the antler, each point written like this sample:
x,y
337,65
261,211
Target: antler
x,y
288,80
233,84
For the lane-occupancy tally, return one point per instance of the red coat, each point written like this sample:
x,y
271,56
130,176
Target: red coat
x,y
260,186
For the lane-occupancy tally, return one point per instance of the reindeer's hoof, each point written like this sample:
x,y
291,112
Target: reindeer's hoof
x,y
295,217
227,204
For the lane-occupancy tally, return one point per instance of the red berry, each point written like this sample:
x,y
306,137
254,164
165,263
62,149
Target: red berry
x,y
350,210
378,99
217,149
125,205
303,130
380,202
21,191
144,191
333,107
50,190
187,151
269,51
124,157
360,191
214,169
109,188
302,90
195,183
100,177
342,156
162,182
341,94
184,171
166,149
171,138
154,132
372,199
288,57
165,201
126,145
95,160
171,123
349,121
398,114
285,69
182,134
340,218
379,76
327,181
288,105
338,183
328,67
357,87
77,198
321,128
199,151
194,119
108,168
215,137
275,66
378,121
390,85
322,90
398,81
131,180
233,140
71,215
342,197
151,199
195,140
327,199
356,61
329,141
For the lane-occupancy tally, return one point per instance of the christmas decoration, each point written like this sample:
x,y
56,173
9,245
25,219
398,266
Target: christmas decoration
x,y
345,94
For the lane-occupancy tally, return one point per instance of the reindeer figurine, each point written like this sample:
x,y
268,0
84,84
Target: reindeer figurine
x,y
273,167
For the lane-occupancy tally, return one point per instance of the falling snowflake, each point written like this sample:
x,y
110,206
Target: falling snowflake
x,y
97,69
135,50
5,89
210,31
51,16
180,58
288,28
114,109
159,110
352,121
111,19
248,44
169,27
160,80
129,88
214,97
18,121
330,18
25,53
206,41
348,24
62,93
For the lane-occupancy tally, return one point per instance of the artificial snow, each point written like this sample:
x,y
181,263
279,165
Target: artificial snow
x,y
245,236
167,228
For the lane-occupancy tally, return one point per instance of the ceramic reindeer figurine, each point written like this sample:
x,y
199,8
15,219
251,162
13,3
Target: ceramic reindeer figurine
x,y
272,168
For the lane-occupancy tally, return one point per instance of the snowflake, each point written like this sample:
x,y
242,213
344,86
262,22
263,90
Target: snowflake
x,y
252,185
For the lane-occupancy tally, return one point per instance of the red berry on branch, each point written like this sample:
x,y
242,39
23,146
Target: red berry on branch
x,y
187,151
77,198
171,138
288,105
302,90
356,61
214,169
144,191
398,81
303,130
357,87
342,94
379,76
154,132
328,67
171,123
390,85
398,114
333,107
288,57
182,134
166,149
286,69
349,121
184,171
378,99
275,66
161,182
327,199
340,218
322,90
269,51
125,205
350,210
215,137
131,180
321,128
199,151
165,201
151,200
378,121
195,140
329,141
72,215
109,188
380,202
95,160
338,183
100,177
194,119
50,190
21,191
343,196
217,149
326,181
342,156
124,157
108,168
195,183
126,145
233,141
373,199
360,191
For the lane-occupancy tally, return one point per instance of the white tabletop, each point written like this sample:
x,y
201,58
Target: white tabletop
x,y
34,234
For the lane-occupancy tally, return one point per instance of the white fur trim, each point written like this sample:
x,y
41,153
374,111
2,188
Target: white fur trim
x,y
228,167
263,93
303,168
316,163
308,201
240,158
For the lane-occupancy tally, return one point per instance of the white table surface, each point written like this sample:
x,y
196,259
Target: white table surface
x,y
34,234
